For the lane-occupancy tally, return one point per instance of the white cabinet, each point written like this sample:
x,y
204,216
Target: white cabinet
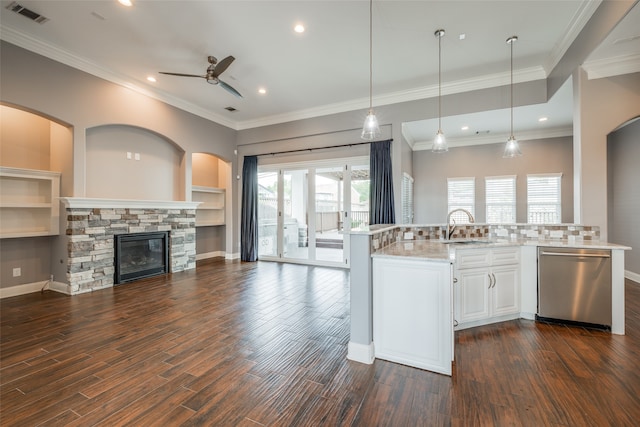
x,y
487,286
413,313
211,210
29,202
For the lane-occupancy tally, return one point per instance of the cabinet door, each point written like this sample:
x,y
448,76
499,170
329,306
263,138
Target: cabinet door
x,y
473,298
412,319
505,292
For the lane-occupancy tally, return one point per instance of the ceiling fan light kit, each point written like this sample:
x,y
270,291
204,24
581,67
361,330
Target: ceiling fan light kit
x,y
439,142
371,128
214,70
512,148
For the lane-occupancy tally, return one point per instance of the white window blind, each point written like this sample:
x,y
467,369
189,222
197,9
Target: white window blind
x,y
500,195
461,195
544,199
407,199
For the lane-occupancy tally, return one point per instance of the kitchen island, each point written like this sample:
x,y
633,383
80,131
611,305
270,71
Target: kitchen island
x,y
385,261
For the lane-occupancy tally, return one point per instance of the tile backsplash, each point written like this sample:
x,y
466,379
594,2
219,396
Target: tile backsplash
x,y
563,232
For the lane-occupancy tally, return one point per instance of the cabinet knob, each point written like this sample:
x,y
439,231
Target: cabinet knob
x,y
455,280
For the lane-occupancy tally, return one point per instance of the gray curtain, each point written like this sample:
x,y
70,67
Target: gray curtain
x,y
381,206
249,215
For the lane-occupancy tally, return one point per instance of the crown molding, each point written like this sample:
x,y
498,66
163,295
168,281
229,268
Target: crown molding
x,y
609,67
497,138
67,58
60,55
425,92
575,26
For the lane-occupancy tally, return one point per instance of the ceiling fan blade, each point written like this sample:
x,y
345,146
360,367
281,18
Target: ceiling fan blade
x,y
182,75
229,89
223,65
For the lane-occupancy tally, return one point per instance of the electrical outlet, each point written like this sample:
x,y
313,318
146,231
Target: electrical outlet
x,y
136,156
17,272
128,155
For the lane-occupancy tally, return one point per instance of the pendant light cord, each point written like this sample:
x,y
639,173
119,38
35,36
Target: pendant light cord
x,y
370,55
439,80
511,43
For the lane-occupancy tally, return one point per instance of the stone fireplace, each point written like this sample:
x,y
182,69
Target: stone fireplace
x,y
92,224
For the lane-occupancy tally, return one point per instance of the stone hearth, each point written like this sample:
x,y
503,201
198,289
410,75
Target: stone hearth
x,y
92,223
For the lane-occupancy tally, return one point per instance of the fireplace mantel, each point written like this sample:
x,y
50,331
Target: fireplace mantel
x,y
96,203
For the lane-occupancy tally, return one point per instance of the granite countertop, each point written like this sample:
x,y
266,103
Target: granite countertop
x,y
441,251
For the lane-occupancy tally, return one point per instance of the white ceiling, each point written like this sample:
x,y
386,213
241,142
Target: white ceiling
x,y
324,70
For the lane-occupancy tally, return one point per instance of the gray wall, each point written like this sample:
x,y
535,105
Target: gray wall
x,y
600,107
623,160
111,175
540,156
210,239
80,102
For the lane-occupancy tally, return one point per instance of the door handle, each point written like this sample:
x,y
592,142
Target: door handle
x,y
494,280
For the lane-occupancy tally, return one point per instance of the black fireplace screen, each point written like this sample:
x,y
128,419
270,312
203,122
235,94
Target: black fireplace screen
x,y
140,255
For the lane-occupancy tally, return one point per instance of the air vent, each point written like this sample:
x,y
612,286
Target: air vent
x,y
230,109
28,13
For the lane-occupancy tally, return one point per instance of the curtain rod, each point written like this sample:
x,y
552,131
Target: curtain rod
x,y
321,148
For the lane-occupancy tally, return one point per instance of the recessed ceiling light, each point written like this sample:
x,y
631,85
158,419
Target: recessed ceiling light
x,y
151,79
543,119
299,28
125,3
262,91
464,128
462,36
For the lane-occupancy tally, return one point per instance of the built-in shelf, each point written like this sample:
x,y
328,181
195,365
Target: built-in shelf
x,y
211,209
28,202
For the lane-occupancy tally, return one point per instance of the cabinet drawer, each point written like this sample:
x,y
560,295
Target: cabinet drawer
x,y
502,256
471,258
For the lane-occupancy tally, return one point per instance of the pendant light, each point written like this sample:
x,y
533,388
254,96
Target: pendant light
x,y
512,148
371,129
439,142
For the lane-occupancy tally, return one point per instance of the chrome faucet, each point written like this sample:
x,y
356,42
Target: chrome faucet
x,y
451,230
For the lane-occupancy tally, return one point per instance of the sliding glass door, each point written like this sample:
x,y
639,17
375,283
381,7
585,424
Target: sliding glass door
x,y
306,210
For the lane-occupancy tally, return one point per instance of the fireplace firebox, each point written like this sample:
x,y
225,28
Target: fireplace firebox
x,y
140,255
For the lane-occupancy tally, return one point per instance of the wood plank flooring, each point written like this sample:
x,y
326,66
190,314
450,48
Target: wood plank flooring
x,y
264,344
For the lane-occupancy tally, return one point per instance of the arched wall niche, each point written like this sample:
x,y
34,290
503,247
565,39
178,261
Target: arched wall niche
x,y
209,170
30,139
130,162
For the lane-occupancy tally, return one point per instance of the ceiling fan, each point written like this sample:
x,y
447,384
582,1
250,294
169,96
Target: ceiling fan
x,y
214,70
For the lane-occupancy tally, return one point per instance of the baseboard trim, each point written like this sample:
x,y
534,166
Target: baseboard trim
x,y
27,288
635,277
62,288
361,353
208,255
232,256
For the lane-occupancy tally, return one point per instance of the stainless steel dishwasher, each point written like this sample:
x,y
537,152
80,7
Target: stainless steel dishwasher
x,y
574,286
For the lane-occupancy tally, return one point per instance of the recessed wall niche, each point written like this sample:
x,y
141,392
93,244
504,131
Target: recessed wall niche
x,y
128,162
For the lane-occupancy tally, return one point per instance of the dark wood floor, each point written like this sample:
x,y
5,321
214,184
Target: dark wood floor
x,y
249,344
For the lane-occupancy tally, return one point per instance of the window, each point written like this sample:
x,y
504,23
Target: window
x,y
461,195
407,199
543,199
500,193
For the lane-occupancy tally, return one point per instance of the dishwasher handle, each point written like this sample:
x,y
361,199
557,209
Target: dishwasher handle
x,y
574,254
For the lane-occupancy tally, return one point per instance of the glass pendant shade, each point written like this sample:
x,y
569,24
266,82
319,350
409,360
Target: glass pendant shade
x,y
371,128
512,149
439,143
